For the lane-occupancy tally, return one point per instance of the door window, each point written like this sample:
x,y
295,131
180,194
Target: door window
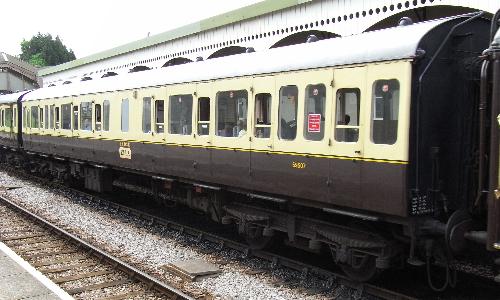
x,y
347,115
160,116
203,116
263,115
288,112
314,112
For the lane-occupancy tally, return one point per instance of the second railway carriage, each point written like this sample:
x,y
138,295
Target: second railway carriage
x,y
360,143
9,133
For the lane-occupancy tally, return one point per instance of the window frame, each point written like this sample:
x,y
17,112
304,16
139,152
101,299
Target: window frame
x,y
9,117
40,117
265,126
75,114
146,115
373,114
159,125
63,118
201,123
236,132
98,117
34,121
189,113
46,118
106,112
280,110
353,128
322,122
125,122
86,105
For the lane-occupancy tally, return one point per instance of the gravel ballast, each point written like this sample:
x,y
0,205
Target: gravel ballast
x,y
149,250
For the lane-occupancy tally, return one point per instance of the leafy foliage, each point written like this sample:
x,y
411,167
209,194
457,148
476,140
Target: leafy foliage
x,y
42,50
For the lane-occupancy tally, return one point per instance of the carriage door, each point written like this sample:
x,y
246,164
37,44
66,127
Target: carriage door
x,y
347,140
203,131
231,155
263,107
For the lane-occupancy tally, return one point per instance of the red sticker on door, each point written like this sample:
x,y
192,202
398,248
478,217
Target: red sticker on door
x,y
313,122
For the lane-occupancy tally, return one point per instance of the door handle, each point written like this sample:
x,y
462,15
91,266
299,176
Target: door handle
x,y
357,151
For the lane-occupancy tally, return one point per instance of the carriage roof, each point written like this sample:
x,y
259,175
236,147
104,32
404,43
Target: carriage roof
x,y
394,43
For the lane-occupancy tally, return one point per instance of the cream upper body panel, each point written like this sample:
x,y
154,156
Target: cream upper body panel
x,y
129,106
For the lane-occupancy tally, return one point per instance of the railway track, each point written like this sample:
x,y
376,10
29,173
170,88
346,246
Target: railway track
x,y
81,269
331,277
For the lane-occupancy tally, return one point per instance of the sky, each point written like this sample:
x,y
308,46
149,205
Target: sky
x,y
91,26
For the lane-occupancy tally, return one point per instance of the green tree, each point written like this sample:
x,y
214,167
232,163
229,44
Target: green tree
x,y
42,50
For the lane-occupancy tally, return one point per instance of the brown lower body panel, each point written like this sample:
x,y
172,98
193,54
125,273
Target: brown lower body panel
x,y
370,186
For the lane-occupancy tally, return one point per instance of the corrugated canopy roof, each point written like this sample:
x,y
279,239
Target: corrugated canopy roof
x,y
237,15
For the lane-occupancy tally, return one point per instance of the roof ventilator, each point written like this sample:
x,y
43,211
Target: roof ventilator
x,y
405,21
312,38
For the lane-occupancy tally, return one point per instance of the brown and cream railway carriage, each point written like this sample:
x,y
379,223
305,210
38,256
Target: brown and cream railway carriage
x,y
364,144
9,137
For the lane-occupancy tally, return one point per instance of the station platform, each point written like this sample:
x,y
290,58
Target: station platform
x,y
19,280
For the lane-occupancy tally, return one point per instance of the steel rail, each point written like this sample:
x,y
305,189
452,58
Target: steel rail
x,y
131,271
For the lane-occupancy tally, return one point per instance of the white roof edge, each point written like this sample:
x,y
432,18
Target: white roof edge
x,y
11,98
354,49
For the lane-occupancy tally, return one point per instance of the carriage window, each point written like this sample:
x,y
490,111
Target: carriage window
x,y
203,116
105,113
287,112
385,111
52,119
314,112
98,117
66,116
160,116
28,117
58,117
347,115
263,115
41,118
46,117
232,113
34,117
8,117
75,118
180,114
15,117
86,116
125,115
146,114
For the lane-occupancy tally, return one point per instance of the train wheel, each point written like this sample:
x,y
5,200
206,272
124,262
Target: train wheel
x,y
254,237
362,268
